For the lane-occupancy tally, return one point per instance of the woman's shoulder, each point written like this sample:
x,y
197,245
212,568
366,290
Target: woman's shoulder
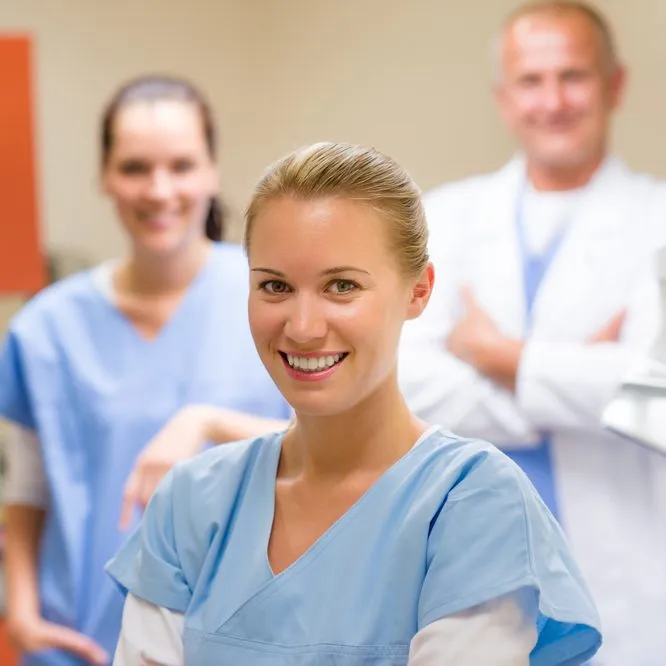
x,y
462,465
217,474
55,302
491,535
231,259
227,276
186,518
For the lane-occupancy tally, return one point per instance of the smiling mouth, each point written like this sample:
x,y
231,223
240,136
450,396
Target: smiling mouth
x,y
162,218
313,364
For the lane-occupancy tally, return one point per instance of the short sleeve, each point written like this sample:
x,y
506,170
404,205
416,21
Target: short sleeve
x,y
25,482
15,403
494,536
149,565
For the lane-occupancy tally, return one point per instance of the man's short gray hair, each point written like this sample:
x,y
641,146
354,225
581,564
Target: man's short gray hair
x,y
558,8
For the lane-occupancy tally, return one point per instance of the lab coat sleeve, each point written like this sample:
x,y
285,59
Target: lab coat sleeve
x,y
438,386
567,385
25,481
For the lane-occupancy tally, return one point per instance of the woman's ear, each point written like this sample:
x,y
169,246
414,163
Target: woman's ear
x,y
421,291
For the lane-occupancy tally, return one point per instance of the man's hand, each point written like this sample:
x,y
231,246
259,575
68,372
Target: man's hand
x,y
474,333
611,331
476,340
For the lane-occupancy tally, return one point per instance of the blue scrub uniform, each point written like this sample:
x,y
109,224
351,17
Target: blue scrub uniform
x,y
452,524
76,371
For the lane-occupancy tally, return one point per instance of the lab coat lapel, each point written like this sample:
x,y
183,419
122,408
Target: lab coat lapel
x,y
494,263
582,288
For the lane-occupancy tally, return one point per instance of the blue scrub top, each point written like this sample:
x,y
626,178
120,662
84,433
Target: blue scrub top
x,y
452,524
74,369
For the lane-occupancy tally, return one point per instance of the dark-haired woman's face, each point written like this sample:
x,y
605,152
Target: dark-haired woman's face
x,y
159,174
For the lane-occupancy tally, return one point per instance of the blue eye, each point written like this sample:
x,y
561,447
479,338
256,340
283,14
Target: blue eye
x,y
275,287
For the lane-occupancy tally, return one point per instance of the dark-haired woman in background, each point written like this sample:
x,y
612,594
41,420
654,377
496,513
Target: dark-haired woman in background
x,y
95,365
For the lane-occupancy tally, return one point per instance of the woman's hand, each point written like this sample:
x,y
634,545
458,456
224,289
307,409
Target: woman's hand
x,y
181,438
36,634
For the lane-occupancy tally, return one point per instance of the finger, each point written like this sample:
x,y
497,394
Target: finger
x,y
600,335
149,487
617,322
603,335
612,330
76,643
467,297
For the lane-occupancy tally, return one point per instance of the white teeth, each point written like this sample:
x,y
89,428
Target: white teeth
x,y
313,363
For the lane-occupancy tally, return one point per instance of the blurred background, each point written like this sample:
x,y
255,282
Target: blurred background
x,y
410,78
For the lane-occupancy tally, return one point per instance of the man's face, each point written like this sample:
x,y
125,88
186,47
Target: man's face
x,y
558,92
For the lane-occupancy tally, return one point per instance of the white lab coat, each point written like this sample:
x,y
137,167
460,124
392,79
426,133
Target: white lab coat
x,y
607,487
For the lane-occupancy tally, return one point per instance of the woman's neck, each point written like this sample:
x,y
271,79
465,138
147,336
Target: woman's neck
x,y
370,438
154,275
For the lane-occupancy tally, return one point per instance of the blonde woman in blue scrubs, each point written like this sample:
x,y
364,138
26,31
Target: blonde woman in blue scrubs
x,y
359,535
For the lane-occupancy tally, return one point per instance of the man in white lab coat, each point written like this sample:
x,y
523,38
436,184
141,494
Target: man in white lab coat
x,y
544,296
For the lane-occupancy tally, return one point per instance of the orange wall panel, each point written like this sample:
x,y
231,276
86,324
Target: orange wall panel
x,y
7,655
21,260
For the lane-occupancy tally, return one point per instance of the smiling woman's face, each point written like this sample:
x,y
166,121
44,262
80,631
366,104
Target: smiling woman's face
x,y
327,301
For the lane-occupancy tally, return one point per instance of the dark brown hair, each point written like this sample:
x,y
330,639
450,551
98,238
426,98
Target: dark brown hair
x,y
158,88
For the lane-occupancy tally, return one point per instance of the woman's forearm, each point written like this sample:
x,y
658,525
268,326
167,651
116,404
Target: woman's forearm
x,y
225,425
23,529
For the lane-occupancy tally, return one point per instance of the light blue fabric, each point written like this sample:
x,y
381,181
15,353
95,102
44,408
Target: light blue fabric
x,y
451,525
536,462
74,369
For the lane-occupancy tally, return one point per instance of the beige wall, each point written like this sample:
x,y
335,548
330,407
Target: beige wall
x,y
413,78
410,77
84,49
